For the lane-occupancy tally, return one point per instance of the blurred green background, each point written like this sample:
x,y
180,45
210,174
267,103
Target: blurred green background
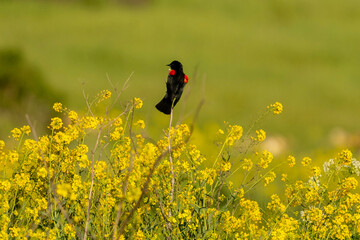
x,y
239,55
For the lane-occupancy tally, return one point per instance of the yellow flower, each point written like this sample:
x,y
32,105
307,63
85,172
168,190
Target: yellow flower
x,y
226,166
247,164
276,204
70,230
140,123
138,103
117,133
329,209
26,130
349,183
316,171
283,177
90,122
106,94
5,185
235,134
57,107
73,116
277,108
270,177
2,144
42,172
346,156
291,161
118,122
220,131
56,123
16,133
265,159
13,156
63,190
306,161
261,135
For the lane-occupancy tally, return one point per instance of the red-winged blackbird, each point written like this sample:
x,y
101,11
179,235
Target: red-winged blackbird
x,y
175,84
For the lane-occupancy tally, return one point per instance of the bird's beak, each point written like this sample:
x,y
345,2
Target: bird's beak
x,y
168,64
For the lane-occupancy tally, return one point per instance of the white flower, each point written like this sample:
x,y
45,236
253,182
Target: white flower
x,y
355,166
327,165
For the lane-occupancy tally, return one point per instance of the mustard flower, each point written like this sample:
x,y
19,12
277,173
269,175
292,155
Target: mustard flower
x,y
117,133
56,123
72,116
140,123
251,209
139,235
247,164
42,172
329,209
90,122
58,107
270,177
306,161
139,139
70,230
284,177
220,131
16,134
313,215
117,122
13,156
316,171
346,156
63,190
26,130
291,161
194,152
138,103
5,185
105,94
2,144
100,169
275,204
21,180
276,107
349,183
186,215
265,159
235,134
261,135
226,166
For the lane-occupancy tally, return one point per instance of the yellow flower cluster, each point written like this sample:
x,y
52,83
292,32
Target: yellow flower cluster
x,y
17,133
138,103
270,177
261,135
265,159
247,165
346,156
276,107
291,161
306,161
58,107
235,132
92,171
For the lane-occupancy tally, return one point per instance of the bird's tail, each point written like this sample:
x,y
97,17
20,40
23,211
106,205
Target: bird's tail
x,y
164,105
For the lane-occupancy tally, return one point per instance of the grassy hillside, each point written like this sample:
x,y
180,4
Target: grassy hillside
x,y
247,54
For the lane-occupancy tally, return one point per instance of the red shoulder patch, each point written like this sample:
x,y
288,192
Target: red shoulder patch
x,y
172,72
186,79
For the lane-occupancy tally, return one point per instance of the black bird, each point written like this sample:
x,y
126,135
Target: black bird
x,y
175,84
